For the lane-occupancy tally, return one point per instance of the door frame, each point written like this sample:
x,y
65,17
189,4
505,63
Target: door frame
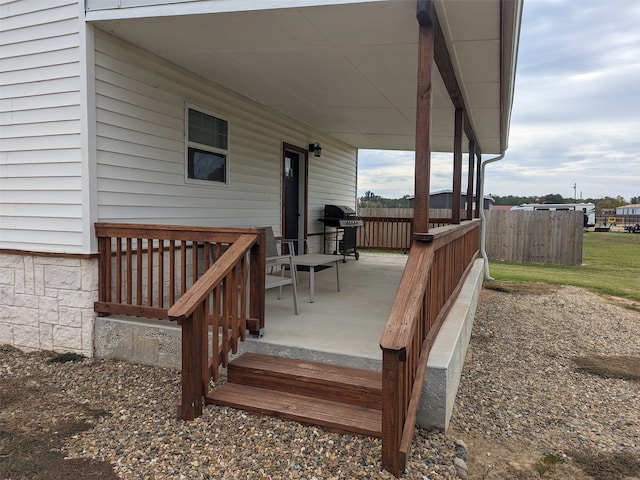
x,y
303,183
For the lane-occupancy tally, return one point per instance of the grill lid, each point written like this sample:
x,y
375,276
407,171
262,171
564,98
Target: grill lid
x,y
338,211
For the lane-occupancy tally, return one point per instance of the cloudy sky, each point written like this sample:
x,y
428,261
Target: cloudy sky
x,y
576,114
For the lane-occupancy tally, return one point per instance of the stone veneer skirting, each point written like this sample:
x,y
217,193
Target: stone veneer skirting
x,y
46,302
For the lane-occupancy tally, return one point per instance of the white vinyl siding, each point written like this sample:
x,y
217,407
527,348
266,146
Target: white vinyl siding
x,y
40,139
141,143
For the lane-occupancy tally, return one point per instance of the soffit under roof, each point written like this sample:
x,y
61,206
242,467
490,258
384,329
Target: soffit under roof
x,y
349,70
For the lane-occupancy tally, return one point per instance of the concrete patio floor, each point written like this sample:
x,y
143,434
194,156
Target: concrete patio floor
x,y
339,327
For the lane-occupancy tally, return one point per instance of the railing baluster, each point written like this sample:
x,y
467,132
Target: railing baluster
x,y
139,271
215,350
172,272
207,255
226,305
243,298
207,304
118,281
129,270
233,303
149,272
205,375
194,261
161,273
183,267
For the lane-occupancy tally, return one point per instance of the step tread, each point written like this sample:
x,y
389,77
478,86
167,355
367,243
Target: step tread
x,y
334,416
309,371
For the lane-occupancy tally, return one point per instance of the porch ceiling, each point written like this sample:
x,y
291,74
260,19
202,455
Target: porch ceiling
x,y
347,69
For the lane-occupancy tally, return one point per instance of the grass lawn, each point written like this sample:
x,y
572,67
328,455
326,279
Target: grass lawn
x,y
611,265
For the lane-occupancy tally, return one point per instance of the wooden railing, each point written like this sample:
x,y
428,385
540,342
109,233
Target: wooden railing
x,y
218,300
436,268
210,280
145,269
385,233
391,233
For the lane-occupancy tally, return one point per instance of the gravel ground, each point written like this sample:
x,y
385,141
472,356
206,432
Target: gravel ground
x,y
519,398
132,410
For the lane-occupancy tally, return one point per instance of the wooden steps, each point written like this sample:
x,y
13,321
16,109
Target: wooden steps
x,y
341,399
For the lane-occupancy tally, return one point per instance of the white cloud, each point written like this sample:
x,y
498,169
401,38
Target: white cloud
x,y
576,113
391,173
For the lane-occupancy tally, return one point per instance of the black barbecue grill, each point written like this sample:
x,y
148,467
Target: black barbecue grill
x,y
341,219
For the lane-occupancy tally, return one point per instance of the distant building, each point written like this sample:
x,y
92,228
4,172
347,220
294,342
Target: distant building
x,y
444,199
628,210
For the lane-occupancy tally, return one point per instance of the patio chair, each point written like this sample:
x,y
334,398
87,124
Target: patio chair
x,y
277,259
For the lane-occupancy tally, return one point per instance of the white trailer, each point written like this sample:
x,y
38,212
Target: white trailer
x,y
588,209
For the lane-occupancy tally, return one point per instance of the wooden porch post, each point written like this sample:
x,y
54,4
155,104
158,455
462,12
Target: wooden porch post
x,y
472,154
257,288
193,364
104,270
457,166
423,118
479,201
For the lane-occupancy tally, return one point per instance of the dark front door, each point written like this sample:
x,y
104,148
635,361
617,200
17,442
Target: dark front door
x,y
291,194
295,169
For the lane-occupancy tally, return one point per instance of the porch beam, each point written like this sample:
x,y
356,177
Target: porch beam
x,y
423,117
457,166
447,72
470,170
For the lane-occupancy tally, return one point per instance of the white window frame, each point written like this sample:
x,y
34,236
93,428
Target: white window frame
x,y
207,148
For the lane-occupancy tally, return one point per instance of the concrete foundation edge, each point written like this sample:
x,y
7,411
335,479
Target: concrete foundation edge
x,y
447,356
151,342
157,342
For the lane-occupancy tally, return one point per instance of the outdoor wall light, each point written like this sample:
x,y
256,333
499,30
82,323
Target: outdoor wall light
x,y
315,148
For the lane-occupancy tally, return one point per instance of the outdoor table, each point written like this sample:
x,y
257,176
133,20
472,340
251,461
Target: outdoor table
x,y
313,260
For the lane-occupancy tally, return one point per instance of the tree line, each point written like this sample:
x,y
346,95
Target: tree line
x,y
371,200
605,203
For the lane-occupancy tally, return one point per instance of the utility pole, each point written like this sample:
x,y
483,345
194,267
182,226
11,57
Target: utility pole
x,y
575,199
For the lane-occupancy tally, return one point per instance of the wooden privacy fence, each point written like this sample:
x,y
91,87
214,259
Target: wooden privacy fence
x,y
436,268
210,280
534,236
